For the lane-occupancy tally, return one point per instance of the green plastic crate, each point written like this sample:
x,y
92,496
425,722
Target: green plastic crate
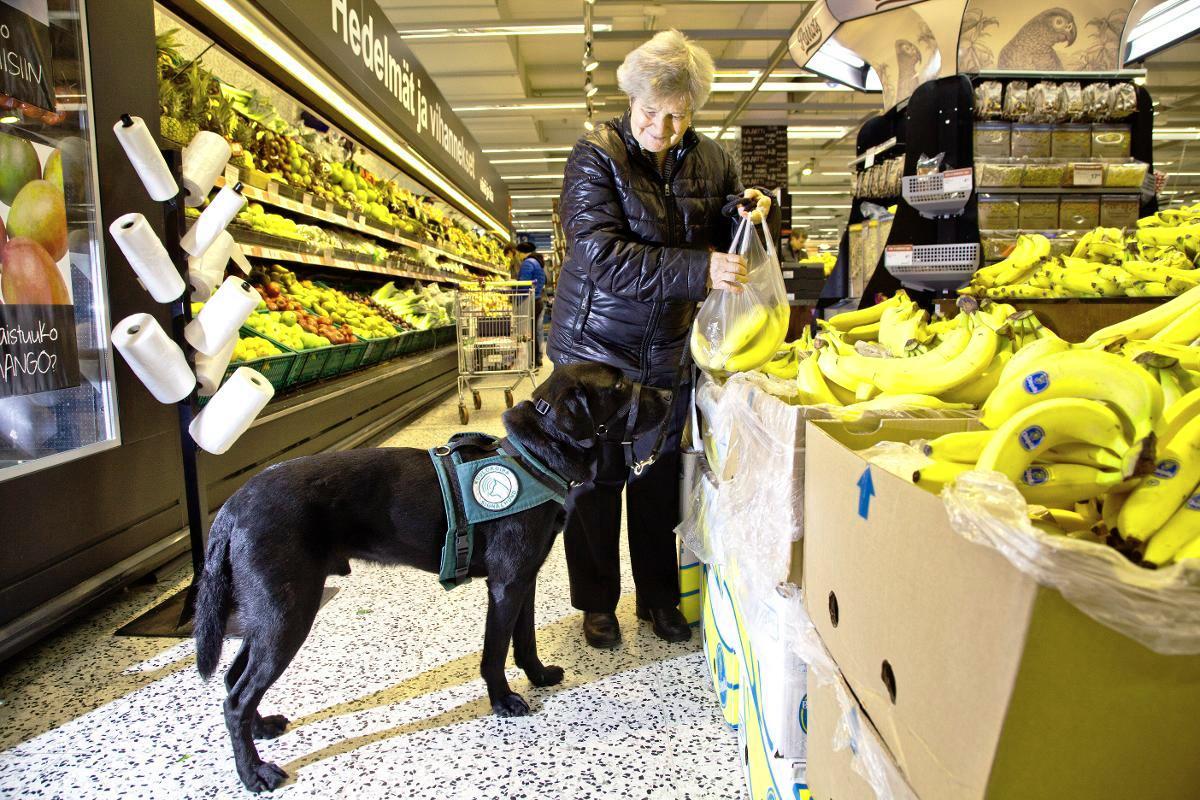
x,y
374,350
422,340
392,347
335,363
443,336
274,368
354,354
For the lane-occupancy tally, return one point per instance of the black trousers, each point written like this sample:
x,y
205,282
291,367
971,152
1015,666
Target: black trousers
x,y
593,529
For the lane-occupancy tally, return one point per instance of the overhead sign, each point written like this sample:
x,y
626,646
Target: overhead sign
x,y
355,40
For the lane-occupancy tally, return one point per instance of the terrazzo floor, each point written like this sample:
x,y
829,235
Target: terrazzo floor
x,y
385,700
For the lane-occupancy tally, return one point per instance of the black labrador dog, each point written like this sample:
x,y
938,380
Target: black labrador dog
x,y
275,541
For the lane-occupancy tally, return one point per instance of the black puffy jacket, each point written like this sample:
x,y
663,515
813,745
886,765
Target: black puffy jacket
x,y
638,246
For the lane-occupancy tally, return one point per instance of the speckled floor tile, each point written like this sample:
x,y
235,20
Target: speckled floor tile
x,y
385,699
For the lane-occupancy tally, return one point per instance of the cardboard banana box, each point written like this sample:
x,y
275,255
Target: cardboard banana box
x,y
718,627
982,683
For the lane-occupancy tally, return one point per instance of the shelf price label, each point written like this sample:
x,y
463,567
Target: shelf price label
x,y
1088,174
957,180
898,255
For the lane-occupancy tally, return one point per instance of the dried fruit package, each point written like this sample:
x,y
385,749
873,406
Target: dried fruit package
x,y
1016,100
1095,101
736,332
989,100
1122,101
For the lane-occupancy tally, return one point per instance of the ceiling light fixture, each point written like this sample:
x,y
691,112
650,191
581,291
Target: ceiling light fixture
x,y
542,177
780,86
528,160
531,106
533,149
512,29
533,196
10,119
808,168
262,40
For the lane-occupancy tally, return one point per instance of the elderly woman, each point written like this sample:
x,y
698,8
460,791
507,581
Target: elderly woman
x,y
647,226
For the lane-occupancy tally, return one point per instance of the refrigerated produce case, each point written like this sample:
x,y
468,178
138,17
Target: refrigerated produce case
x,y
426,223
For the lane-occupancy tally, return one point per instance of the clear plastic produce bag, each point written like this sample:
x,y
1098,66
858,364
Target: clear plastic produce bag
x,y
736,332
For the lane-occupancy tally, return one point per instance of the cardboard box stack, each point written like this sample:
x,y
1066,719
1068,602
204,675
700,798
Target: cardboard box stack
x,y
979,681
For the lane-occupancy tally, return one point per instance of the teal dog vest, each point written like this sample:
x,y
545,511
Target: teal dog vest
x,y
506,482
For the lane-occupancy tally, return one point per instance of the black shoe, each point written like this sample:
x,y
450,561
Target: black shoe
x,y
669,624
601,630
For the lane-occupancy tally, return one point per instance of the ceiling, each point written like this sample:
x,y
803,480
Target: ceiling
x,y
474,72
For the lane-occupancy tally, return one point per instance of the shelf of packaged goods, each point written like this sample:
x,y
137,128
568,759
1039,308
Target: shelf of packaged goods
x,y
869,155
318,209
1058,190
277,254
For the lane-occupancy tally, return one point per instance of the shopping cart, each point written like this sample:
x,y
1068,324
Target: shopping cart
x,y
495,340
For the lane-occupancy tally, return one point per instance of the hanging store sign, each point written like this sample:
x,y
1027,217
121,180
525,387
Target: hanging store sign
x,y
25,52
355,41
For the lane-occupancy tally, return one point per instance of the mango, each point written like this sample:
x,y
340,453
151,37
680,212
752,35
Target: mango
x,y
18,166
30,276
39,213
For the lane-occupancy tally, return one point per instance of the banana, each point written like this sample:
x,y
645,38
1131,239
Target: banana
x,y
962,447
783,366
1178,414
864,333
901,402
1064,485
1065,519
1145,325
742,331
1034,429
813,388
1149,289
1031,354
934,477
702,352
1188,357
1183,330
831,365
977,390
1110,508
1181,529
900,325
1085,374
1158,496
934,380
852,319
1083,454
1189,551
750,351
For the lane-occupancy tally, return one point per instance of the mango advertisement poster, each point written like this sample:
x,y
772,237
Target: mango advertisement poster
x,y
37,322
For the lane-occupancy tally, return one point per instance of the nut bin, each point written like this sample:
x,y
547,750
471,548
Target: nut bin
x,y
1007,172
1071,141
998,212
1079,212
1119,210
1044,173
1127,174
1039,213
997,244
1032,141
1111,141
993,140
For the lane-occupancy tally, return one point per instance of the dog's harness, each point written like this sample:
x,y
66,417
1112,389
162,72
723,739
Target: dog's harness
x,y
507,481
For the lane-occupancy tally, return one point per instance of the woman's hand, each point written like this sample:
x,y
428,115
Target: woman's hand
x,y
762,206
727,271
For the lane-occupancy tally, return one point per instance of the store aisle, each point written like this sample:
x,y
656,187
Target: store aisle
x,y
385,700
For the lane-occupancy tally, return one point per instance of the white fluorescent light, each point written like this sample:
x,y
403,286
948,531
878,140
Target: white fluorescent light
x,y
529,160
754,73
806,132
590,65
771,86
533,196
512,29
835,190
537,230
531,211
545,177
1161,27
813,216
266,45
539,149
1177,133
523,107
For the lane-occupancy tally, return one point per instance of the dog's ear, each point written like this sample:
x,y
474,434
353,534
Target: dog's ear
x,y
573,414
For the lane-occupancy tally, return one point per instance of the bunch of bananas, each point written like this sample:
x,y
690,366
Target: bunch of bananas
x,y
1156,260
1102,438
746,342
891,356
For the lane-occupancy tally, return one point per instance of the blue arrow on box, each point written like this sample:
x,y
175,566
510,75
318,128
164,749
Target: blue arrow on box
x,y
866,490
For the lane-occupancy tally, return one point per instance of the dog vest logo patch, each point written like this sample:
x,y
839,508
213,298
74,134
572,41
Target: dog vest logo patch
x,y
495,487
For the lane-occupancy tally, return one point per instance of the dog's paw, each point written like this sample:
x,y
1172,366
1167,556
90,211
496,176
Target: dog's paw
x,y
512,705
550,675
269,727
265,777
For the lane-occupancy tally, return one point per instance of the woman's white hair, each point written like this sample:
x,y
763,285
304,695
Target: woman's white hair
x,y
668,67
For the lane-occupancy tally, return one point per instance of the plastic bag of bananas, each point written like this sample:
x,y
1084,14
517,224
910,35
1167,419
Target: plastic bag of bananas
x,y
735,332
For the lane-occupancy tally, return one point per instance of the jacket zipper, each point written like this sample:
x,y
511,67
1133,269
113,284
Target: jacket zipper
x,y
655,313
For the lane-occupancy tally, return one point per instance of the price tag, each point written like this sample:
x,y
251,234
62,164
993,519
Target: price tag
x,y
956,180
898,255
362,220
231,174
869,161
1088,174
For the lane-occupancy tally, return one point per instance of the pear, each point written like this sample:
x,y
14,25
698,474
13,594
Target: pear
x,y
18,166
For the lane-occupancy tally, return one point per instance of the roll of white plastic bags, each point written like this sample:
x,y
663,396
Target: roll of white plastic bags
x,y
737,332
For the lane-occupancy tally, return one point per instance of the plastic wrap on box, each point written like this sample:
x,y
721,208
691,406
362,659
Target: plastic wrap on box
x,y
870,758
1158,608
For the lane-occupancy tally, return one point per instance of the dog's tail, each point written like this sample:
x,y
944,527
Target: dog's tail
x,y
215,596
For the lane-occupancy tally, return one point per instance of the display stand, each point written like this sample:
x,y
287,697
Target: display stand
x,y
172,617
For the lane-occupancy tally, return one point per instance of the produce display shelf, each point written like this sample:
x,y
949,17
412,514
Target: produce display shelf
x,y
313,259
317,209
